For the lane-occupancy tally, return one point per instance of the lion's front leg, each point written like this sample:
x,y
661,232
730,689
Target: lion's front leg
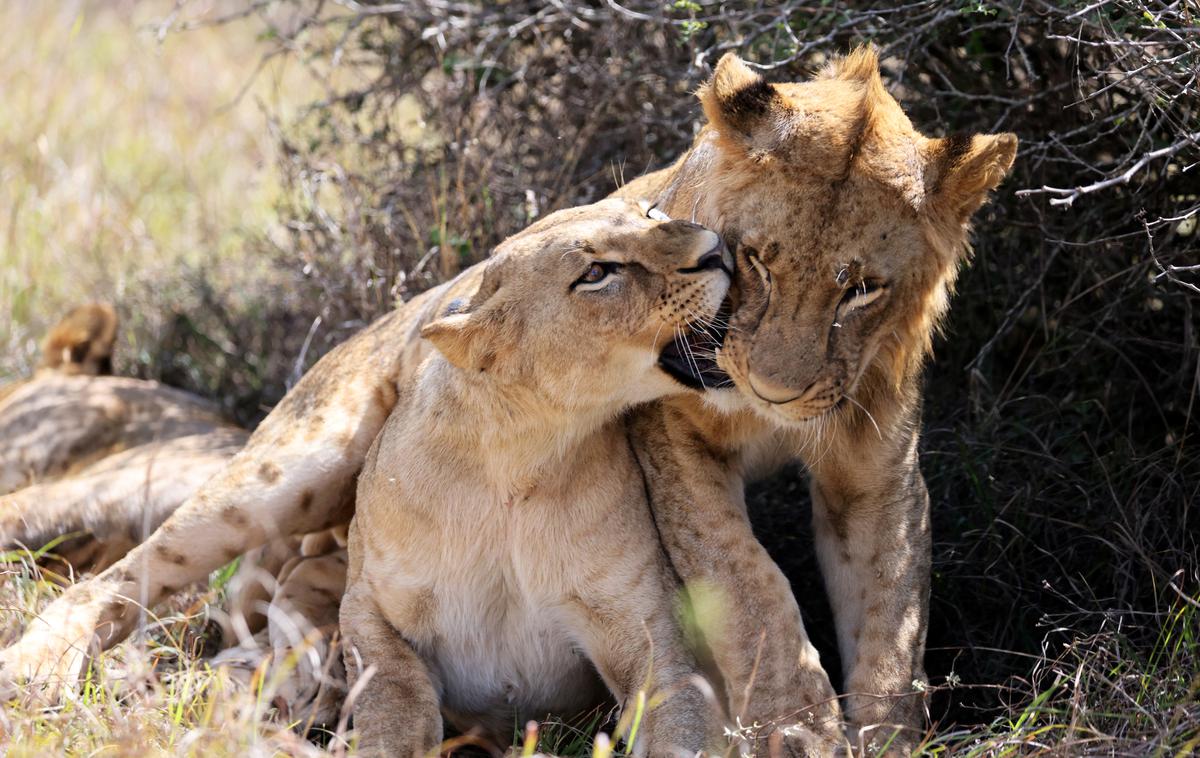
x,y
772,674
871,525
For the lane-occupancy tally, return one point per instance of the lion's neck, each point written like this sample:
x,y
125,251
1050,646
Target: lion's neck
x,y
510,433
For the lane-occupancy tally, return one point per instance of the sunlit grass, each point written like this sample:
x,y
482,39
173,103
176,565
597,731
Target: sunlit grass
x,y
153,695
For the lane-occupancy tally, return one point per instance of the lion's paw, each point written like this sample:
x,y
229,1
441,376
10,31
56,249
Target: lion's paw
x,y
884,740
794,741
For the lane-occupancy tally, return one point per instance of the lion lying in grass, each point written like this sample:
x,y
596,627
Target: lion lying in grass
x,y
101,457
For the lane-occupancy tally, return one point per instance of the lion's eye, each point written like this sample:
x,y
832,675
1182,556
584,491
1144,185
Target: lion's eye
x,y
860,295
597,276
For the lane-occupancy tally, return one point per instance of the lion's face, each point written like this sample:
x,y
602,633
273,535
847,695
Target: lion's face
x,y
849,227
581,305
818,300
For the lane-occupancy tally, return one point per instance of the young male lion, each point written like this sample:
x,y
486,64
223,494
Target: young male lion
x,y
502,552
850,227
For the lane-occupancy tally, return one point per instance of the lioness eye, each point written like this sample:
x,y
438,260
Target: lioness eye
x,y
596,277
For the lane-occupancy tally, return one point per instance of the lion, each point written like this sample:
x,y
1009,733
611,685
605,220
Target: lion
x,y
503,560
849,228
103,457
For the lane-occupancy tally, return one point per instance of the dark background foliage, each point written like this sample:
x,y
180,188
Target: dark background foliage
x,y
1060,422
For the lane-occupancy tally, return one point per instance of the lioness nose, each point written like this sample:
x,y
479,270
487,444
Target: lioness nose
x,y
712,259
708,252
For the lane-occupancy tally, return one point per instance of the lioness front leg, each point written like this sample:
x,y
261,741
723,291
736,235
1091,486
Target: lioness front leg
x,y
772,673
296,474
397,711
871,526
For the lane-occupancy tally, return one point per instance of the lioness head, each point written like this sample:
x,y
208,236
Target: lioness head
x,y
579,306
849,227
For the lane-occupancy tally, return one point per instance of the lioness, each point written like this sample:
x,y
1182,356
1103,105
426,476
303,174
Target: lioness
x,y
84,452
502,552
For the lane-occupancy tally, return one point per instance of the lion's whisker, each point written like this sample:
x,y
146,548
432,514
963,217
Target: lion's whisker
x,y
861,407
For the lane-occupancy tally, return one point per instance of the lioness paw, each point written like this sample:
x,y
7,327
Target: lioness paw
x,y
40,666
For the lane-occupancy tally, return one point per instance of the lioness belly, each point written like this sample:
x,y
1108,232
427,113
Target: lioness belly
x,y
499,655
499,673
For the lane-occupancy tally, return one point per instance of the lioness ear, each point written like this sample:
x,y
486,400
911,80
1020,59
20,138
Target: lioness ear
x,y
464,338
739,102
962,169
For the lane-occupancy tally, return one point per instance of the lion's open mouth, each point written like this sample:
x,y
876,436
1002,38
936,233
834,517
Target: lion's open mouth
x,y
690,358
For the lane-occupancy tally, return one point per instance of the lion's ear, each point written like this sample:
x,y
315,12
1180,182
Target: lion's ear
x,y
82,343
963,169
470,329
739,102
464,338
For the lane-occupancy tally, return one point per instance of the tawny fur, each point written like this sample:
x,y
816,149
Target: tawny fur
x,y
297,473
82,343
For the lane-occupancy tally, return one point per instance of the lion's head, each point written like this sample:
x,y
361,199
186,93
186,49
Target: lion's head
x,y
849,228
580,305
82,343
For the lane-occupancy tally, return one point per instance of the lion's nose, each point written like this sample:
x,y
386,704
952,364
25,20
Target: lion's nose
x,y
774,393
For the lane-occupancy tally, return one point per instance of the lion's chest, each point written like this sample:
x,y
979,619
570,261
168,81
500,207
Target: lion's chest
x,y
483,591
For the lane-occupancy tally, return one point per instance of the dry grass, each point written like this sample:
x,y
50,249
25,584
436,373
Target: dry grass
x,y
152,695
133,172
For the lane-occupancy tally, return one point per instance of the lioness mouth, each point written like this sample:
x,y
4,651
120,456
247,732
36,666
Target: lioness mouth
x,y
690,358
